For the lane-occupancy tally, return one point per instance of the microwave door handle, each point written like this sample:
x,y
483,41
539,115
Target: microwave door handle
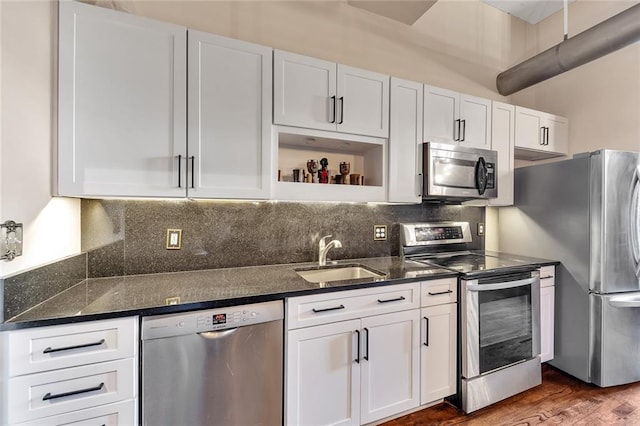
x,y
634,219
501,286
481,176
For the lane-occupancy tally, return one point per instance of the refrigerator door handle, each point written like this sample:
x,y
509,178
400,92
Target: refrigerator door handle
x,y
625,301
634,219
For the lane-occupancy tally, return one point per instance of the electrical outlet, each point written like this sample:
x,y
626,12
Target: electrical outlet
x,y
480,229
174,239
379,232
172,300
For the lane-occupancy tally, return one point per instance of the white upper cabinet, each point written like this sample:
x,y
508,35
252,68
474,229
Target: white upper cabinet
x,y
405,142
317,94
540,135
229,144
452,117
502,141
121,104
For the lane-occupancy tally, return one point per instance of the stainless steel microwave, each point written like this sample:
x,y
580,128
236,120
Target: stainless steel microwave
x,y
451,172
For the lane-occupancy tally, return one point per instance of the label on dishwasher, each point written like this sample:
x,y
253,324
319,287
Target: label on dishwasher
x,y
219,319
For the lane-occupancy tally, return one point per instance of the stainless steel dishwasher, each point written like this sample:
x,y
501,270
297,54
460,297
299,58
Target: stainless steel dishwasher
x,y
214,367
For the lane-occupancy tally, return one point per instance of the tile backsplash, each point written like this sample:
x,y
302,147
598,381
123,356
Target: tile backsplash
x,y
129,237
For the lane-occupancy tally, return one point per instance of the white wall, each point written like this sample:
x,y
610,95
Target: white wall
x,y
458,45
51,225
601,98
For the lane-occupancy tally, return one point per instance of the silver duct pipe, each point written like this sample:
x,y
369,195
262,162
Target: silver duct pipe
x,y
600,40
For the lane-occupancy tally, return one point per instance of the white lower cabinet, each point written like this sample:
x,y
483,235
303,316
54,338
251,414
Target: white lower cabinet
x,y
390,364
438,347
438,353
323,376
72,374
547,307
363,368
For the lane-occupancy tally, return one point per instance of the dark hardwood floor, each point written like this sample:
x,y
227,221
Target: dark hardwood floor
x,y
560,400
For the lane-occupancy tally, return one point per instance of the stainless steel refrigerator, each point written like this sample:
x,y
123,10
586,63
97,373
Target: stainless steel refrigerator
x,y
585,212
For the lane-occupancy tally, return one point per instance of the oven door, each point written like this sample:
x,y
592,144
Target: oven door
x,y
500,321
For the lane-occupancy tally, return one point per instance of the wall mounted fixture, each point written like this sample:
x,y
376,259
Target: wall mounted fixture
x,y
10,240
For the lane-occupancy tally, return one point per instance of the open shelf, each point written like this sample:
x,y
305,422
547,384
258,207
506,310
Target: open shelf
x,y
366,155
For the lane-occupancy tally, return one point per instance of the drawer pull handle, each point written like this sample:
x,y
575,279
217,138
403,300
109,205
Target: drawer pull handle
x,y
439,293
426,332
48,396
335,308
358,355
547,277
70,348
397,299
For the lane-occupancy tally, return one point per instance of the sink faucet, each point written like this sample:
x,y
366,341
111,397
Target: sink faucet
x,y
325,247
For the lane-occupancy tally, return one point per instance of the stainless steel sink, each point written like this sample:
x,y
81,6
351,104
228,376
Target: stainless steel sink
x,y
338,273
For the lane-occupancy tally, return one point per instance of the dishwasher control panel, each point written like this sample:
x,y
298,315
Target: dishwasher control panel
x,y
156,327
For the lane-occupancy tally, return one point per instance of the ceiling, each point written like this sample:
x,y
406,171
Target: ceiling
x,y
409,11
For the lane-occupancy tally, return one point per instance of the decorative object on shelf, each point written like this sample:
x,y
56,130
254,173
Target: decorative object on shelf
x,y
312,167
345,168
323,173
354,179
10,240
296,175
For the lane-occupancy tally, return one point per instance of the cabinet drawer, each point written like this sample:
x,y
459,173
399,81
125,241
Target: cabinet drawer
x,y
61,346
339,306
118,414
547,276
56,392
438,292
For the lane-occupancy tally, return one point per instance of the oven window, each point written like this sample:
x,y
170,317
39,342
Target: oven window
x,y
506,332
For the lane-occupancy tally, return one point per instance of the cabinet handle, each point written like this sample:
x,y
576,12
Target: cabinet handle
x,y
333,99
70,348
358,351
542,136
439,292
335,308
397,299
179,171
548,276
341,110
367,345
193,171
48,396
547,138
420,184
426,331
464,130
456,123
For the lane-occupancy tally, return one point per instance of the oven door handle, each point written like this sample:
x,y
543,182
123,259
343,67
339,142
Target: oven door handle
x,y
501,286
625,302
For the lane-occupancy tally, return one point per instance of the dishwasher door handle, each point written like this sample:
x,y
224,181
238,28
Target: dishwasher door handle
x,y
211,335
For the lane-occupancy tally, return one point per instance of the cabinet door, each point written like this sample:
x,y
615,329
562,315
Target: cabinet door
x,y
323,375
390,364
558,134
529,131
304,91
405,142
229,118
441,112
438,353
502,141
121,104
547,306
475,116
363,102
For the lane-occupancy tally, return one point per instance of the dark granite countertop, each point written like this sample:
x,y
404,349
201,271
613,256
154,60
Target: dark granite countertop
x,y
99,298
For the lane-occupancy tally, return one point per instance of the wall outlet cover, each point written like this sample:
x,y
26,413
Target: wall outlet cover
x,y
174,239
379,232
480,229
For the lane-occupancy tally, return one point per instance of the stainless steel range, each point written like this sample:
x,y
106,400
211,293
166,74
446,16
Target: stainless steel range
x,y
498,312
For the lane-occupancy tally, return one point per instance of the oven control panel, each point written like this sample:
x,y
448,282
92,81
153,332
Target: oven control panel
x,y
420,234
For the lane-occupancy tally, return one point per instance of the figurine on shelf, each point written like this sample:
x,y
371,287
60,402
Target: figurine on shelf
x,y
323,173
312,166
345,168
